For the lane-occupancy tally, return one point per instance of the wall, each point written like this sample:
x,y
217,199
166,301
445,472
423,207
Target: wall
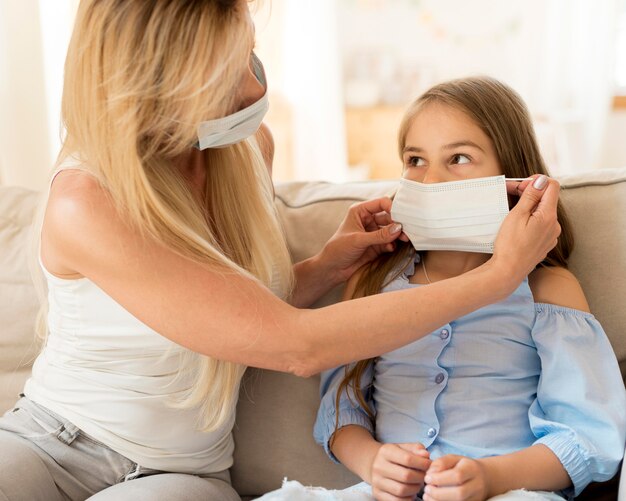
x,y
557,54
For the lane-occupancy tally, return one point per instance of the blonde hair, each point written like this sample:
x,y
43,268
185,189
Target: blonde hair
x,y
502,115
139,77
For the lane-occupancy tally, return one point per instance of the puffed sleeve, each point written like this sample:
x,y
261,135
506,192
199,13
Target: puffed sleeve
x,y
349,411
580,409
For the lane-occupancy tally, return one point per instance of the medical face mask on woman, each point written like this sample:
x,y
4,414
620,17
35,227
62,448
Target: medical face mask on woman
x,y
458,215
234,128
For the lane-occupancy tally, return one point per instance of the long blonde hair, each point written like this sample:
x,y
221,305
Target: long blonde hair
x,y
139,77
502,115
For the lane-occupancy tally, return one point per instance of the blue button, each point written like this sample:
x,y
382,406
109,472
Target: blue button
x,y
432,432
444,333
439,378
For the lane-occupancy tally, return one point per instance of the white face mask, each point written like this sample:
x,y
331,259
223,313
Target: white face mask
x,y
458,215
234,128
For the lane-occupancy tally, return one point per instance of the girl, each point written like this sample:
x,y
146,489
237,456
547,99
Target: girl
x,y
167,271
522,394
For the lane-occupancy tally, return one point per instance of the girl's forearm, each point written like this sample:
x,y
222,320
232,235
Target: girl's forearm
x,y
356,448
536,468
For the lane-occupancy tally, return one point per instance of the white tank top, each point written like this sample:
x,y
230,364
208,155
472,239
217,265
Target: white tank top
x,y
115,378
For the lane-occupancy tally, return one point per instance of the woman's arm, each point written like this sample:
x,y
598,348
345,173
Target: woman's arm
x,y
232,317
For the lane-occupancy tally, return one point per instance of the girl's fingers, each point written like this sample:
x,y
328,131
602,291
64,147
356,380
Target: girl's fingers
x,y
407,458
469,491
401,474
451,477
399,489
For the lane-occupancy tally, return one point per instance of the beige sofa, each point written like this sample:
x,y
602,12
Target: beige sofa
x,y
276,411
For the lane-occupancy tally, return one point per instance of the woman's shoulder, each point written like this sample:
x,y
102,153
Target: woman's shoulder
x,y
77,199
557,286
78,210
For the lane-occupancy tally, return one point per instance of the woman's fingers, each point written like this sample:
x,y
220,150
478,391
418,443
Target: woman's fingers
x,y
374,206
535,191
517,187
380,236
382,219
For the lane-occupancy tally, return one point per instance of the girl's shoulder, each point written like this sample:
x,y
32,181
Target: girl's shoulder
x,y
558,286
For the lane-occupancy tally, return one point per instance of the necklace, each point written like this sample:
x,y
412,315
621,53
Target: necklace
x,y
424,268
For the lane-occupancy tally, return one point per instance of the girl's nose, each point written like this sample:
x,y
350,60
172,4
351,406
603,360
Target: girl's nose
x,y
433,175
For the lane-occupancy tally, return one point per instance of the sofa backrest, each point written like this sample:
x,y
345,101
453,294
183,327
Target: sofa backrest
x,y
276,411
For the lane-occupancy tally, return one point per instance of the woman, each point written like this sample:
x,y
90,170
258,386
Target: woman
x,y
167,270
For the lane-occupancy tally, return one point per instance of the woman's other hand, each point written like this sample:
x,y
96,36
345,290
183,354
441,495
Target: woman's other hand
x,y
455,478
366,231
530,230
397,471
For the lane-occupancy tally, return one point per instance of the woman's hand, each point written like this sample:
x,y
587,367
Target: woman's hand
x,y
530,230
366,231
456,478
397,471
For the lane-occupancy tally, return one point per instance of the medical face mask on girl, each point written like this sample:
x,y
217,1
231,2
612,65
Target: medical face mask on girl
x,y
458,215
234,128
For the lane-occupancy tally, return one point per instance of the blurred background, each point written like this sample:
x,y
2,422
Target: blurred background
x,y
341,73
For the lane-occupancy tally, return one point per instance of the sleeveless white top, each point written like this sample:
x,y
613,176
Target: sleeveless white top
x,y
115,378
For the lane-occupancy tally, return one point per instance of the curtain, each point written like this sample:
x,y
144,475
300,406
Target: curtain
x,y
33,40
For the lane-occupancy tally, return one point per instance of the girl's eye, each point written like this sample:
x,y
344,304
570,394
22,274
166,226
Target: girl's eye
x,y
415,161
461,159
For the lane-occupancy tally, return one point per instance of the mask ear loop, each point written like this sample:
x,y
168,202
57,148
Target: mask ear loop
x,y
257,68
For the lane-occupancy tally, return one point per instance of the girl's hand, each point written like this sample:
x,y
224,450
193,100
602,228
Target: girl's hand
x,y
366,231
397,471
456,478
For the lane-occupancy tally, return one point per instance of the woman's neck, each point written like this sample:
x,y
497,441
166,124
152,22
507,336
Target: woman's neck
x,y
441,265
192,167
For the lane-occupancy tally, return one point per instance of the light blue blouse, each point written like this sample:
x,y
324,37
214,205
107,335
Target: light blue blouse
x,y
505,377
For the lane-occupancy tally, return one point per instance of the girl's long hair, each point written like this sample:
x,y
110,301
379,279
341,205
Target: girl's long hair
x,y
502,115
139,78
